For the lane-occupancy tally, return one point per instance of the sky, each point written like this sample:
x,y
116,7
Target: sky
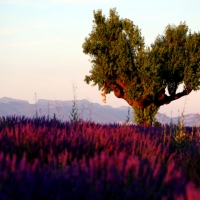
x,y
41,45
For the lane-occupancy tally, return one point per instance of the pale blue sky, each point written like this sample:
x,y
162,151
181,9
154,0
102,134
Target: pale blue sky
x,y
41,45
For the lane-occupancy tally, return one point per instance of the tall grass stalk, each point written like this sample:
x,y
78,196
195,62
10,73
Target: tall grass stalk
x,y
48,107
128,115
58,108
74,115
35,98
178,133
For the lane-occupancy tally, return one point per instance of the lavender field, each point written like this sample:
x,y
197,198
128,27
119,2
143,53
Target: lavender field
x,y
43,158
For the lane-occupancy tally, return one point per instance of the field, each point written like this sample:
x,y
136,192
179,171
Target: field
x,y
43,158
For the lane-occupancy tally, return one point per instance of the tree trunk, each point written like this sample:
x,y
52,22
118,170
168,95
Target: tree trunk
x,y
145,116
144,109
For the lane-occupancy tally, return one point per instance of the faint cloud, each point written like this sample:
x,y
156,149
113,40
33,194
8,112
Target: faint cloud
x,y
26,44
79,1
153,16
43,4
185,2
7,31
10,31
182,1
14,2
55,40
35,3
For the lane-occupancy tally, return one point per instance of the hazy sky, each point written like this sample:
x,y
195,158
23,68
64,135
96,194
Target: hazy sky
x,y
41,45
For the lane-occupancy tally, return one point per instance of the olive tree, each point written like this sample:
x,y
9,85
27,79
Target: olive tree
x,y
140,74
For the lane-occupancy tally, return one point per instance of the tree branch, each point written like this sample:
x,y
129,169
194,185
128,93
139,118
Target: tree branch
x,y
165,99
119,89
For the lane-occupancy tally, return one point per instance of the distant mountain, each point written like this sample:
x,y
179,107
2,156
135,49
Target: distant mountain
x,y
98,113
62,109
188,120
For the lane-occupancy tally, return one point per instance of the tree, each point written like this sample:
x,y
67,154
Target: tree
x,y
140,74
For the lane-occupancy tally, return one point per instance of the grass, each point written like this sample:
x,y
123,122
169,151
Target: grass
x,y
186,142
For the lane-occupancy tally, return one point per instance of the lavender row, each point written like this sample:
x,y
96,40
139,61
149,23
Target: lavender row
x,y
48,159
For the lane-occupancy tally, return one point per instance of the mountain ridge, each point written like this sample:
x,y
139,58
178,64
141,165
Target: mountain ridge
x,y
87,110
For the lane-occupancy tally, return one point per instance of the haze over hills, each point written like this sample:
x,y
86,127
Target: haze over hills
x,y
87,110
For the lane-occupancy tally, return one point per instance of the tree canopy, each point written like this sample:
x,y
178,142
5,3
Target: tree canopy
x,y
140,74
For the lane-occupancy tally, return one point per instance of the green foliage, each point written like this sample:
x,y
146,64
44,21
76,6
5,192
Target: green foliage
x,y
128,116
157,124
176,57
54,116
74,113
36,111
179,137
113,48
74,116
122,63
